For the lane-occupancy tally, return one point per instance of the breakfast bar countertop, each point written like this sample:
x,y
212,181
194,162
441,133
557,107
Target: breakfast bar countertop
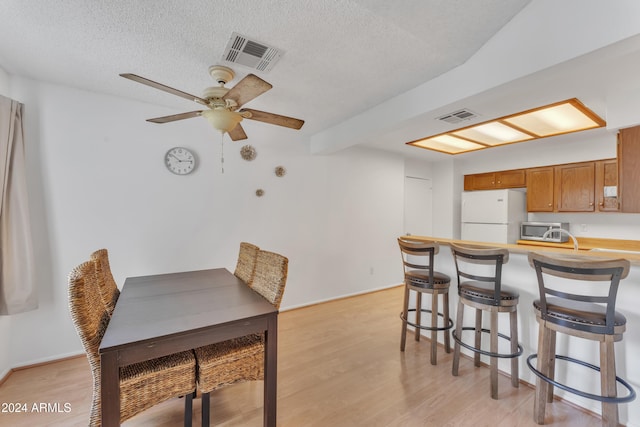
x,y
519,275
601,248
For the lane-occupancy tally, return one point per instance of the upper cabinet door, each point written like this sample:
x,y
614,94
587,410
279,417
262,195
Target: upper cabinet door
x,y
511,179
480,181
540,189
607,189
629,165
574,186
495,180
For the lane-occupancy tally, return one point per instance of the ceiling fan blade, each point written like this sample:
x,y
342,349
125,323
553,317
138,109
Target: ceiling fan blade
x,y
174,117
165,88
247,89
274,119
237,133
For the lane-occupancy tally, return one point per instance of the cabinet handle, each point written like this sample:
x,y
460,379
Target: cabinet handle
x,y
549,204
590,203
601,204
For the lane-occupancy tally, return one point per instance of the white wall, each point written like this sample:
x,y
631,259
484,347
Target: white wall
x,y
97,179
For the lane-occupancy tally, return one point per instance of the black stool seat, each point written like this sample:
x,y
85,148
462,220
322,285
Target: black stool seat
x,y
580,315
420,279
484,293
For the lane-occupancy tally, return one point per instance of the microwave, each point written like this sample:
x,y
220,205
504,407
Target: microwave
x,y
535,231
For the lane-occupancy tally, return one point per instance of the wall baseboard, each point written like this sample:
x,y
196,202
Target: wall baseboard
x,y
8,373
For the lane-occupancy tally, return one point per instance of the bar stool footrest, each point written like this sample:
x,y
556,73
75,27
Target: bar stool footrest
x,y
606,399
427,328
484,352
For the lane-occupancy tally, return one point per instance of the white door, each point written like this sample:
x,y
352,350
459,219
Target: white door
x,y
418,216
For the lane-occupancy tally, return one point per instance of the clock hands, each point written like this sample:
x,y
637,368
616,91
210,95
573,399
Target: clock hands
x,y
180,160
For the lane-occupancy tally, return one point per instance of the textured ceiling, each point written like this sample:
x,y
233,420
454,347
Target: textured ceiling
x,y
341,57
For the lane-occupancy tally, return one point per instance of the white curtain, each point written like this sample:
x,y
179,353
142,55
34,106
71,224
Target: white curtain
x,y
17,288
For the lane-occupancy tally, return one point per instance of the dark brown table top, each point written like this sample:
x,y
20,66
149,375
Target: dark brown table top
x,y
152,307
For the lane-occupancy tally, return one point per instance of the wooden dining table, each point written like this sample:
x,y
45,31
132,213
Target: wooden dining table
x,y
162,314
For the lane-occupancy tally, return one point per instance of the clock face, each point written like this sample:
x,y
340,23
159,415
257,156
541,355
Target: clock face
x,y
180,161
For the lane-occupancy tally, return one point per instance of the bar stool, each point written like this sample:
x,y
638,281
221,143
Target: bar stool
x,y
578,312
485,293
419,276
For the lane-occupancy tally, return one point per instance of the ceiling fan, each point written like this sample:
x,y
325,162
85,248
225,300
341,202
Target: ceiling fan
x,y
224,112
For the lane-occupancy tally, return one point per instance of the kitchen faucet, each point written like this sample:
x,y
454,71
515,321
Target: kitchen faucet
x,y
561,230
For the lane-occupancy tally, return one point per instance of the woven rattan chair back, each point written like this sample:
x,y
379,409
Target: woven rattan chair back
x,y
90,318
270,276
143,384
108,289
246,264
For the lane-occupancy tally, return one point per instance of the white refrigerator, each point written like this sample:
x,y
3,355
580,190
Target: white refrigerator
x,y
493,216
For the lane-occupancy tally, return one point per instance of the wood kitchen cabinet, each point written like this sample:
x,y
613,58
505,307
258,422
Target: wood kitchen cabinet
x,y
540,189
629,169
607,189
575,187
593,186
495,180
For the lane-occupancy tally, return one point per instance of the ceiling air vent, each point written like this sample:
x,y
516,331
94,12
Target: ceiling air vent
x,y
251,53
458,116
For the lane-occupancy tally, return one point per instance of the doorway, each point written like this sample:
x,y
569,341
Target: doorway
x,y
418,216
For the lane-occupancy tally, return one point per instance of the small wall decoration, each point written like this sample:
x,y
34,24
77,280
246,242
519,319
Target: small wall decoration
x,y
280,171
259,192
248,152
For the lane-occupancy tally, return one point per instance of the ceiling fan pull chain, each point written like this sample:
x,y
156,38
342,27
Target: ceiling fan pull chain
x,y
222,151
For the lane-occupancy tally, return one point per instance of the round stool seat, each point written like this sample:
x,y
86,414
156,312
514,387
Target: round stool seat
x,y
420,280
580,315
484,292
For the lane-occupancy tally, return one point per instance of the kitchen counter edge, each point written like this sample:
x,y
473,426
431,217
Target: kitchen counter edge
x,y
634,259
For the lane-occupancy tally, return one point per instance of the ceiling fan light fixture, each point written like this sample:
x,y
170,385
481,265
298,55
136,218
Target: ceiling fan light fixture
x,y
222,119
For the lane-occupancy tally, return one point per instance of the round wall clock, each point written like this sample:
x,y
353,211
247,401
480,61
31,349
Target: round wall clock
x,y
180,160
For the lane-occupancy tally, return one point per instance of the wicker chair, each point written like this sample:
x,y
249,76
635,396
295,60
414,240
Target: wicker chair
x,y
241,359
246,262
142,385
108,289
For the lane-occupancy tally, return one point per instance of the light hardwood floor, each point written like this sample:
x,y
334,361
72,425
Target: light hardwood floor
x,y
339,364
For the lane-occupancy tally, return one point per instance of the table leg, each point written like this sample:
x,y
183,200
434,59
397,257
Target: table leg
x,y
271,371
110,389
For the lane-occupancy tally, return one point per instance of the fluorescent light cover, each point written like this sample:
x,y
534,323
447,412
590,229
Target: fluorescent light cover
x,y
493,133
448,144
554,119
